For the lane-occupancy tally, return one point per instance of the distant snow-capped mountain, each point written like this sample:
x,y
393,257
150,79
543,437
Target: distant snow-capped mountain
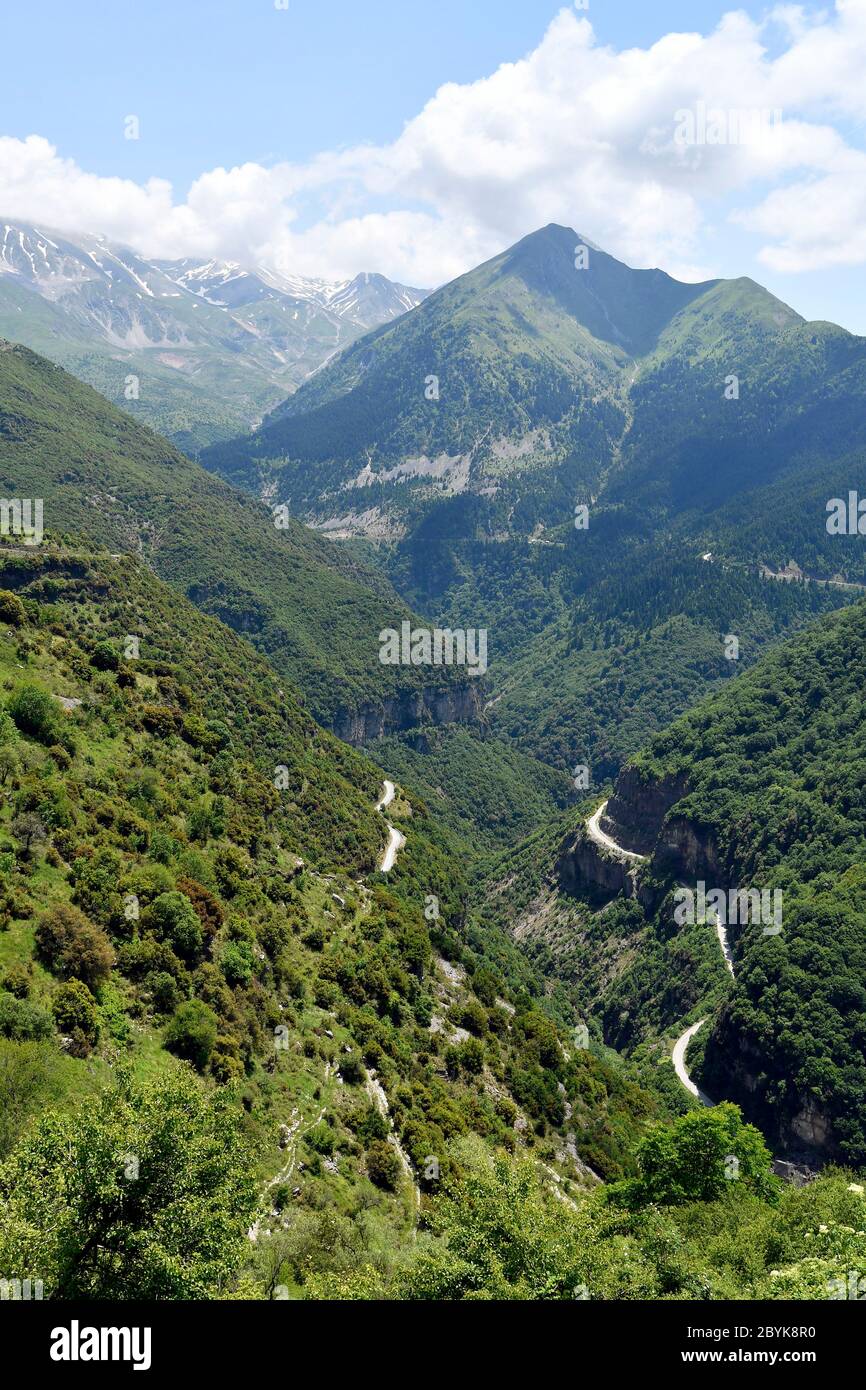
x,y
213,344
367,300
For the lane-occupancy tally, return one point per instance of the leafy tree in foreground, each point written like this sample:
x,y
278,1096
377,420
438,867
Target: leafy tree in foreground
x,y
501,1235
699,1158
146,1196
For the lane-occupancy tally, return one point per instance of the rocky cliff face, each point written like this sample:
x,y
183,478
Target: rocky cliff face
x,y
452,704
736,1069
635,818
586,870
638,807
687,852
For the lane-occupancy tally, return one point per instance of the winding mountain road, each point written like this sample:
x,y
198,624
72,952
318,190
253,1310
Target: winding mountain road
x,y
598,835
396,841
678,1056
388,793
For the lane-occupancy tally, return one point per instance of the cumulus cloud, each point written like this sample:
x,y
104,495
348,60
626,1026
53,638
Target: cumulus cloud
x,y
576,132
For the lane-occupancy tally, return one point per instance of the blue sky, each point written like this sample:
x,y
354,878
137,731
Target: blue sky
x,y
226,81
307,109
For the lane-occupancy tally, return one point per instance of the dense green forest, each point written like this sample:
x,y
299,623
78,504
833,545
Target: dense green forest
x,y
768,772
775,771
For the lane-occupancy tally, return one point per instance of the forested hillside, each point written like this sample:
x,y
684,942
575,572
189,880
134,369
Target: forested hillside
x,y
312,609
203,974
774,773
603,467
758,787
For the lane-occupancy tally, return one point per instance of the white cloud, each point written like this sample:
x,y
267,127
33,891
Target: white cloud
x,y
576,132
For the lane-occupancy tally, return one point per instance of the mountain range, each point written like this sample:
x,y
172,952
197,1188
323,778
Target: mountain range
x,y
608,469
197,349
376,968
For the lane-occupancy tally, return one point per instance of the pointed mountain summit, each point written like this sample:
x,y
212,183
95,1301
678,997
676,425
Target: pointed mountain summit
x,y
520,387
616,304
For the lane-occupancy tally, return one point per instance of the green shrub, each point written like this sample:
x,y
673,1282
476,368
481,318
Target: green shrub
x,y
322,1139
22,1020
383,1164
192,1033
701,1157
11,609
236,962
172,918
70,945
17,979
371,1124
351,1070
75,1014
163,991
38,715
105,658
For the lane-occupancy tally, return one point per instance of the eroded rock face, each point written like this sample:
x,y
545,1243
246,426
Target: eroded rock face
x,y
687,852
811,1126
452,704
635,812
585,869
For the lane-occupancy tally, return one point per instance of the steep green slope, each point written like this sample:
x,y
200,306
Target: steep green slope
x,y
637,633
497,373
482,788
757,789
312,609
189,884
773,775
